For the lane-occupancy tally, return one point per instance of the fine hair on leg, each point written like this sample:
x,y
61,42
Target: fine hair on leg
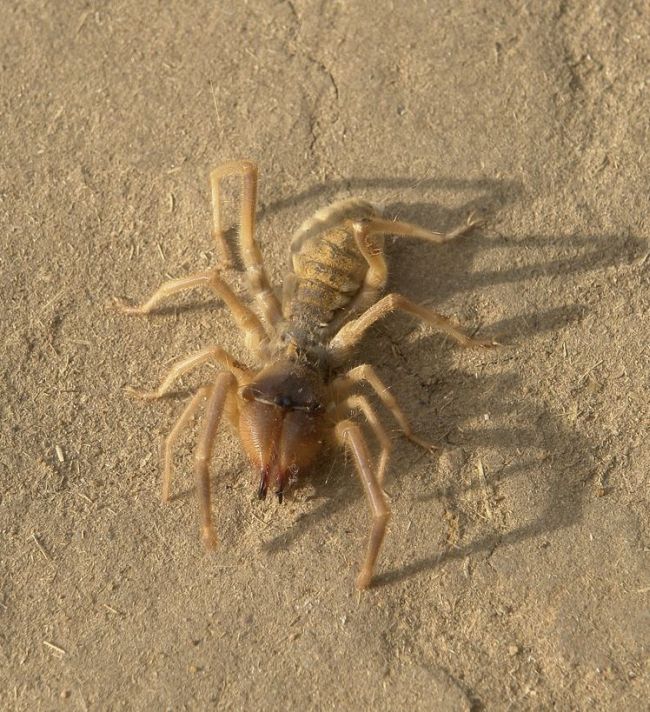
x,y
169,442
348,433
250,253
366,373
213,353
256,338
351,333
359,402
223,383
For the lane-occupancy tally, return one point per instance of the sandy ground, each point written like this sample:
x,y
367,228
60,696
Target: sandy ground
x,y
515,574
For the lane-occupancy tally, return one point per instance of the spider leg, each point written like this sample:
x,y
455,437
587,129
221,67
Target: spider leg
x,y
255,336
213,353
348,433
380,226
352,332
250,253
170,440
361,403
365,372
223,384
373,252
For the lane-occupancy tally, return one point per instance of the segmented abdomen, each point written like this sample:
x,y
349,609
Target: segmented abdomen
x,y
328,267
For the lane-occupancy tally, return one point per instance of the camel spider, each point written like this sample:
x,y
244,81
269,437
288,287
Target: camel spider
x,y
296,396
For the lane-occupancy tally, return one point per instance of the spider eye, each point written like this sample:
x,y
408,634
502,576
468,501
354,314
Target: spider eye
x,y
283,401
316,408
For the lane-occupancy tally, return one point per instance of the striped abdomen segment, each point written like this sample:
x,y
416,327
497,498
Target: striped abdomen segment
x,y
328,267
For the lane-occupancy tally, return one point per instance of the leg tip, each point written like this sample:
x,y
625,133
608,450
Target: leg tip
x,y
474,221
472,343
141,394
363,580
123,306
486,344
421,442
116,304
209,538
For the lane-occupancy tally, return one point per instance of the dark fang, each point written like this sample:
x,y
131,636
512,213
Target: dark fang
x,y
261,490
279,494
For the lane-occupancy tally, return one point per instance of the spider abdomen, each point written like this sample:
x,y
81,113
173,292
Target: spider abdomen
x,y
328,267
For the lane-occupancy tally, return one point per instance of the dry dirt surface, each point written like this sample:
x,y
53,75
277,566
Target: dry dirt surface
x,y
515,573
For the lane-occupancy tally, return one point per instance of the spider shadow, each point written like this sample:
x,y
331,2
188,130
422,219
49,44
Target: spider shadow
x,y
209,306
563,464
488,195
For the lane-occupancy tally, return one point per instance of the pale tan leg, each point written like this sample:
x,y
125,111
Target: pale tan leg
x,y
255,336
379,226
374,280
365,372
361,403
170,440
214,353
218,228
213,411
373,252
349,434
250,253
350,334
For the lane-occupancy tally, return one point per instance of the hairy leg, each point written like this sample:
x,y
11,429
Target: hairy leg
x,y
358,402
255,336
223,383
348,434
213,353
250,253
368,235
380,226
351,333
374,280
170,440
365,372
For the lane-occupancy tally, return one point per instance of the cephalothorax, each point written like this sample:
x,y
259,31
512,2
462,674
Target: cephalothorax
x,y
298,396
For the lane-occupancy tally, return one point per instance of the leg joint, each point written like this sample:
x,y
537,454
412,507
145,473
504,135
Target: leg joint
x,y
394,300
